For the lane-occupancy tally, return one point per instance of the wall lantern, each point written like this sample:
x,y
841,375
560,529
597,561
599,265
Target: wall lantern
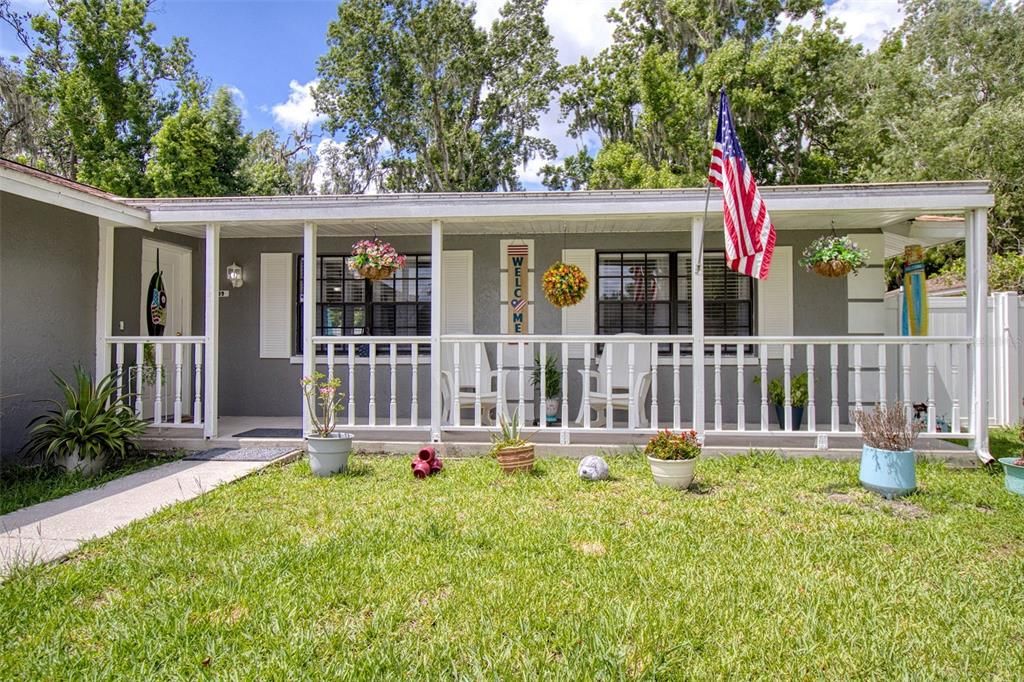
x,y
235,275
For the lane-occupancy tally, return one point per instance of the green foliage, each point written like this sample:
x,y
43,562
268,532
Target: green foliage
x,y
509,433
90,421
552,376
673,446
829,249
1005,273
429,102
797,390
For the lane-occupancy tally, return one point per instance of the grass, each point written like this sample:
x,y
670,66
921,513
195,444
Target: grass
x,y
25,486
1005,441
767,568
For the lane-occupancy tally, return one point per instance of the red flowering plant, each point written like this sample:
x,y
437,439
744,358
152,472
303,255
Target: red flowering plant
x,y
375,259
564,284
673,446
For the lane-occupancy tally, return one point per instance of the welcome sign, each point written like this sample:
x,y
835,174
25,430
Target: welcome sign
x,y
518,256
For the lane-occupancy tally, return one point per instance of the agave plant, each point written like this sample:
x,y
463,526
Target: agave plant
x,y
90,421
508,435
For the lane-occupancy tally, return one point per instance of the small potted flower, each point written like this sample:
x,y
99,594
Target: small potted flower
x,y
1013,467
673,457
328,451
375,259
887,461
833,256
564,284
513,452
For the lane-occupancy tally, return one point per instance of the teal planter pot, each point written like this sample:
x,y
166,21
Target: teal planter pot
x,y
889,473
1014,475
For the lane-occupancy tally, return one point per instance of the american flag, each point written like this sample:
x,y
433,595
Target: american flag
x,y
749,233
518,249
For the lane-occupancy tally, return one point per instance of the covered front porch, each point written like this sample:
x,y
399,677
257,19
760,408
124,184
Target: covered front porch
x,y
702,358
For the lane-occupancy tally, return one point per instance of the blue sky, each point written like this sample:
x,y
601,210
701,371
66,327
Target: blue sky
x,y
266,50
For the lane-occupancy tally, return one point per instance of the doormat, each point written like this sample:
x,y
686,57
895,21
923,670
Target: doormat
x,y
270,433
250,454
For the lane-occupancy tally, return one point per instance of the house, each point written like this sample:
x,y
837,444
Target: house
x,y
666,337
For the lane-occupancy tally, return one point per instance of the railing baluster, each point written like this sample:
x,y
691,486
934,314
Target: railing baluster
x,y
718,387
119,364
177,383
930,350
542,419
834,364
763,351
586,385
158,402
631,402
351,384
373,385
330,361
499,355
676,406
812,417
140,366
883,358
521,348
477,351
393,405
197,390
857,364
564,438
741,408
609,412
954,386
905,361
654,386
414,417
457,384
787,379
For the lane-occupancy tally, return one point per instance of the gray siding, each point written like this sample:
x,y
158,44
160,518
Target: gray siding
x,y
48,264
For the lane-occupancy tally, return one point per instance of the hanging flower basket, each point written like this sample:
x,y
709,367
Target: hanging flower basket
x,y
564,284
375,259
834,256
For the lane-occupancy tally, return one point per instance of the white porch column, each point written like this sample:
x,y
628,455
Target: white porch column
x,y
436,326
104,297
309,295
212,330
697,321
976,223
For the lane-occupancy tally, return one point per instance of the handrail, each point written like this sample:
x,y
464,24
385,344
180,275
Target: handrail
x,y
155,339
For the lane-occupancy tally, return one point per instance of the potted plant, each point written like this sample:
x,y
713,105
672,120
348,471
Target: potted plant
x,y
328,451
1013,468
513,452
90,427
887,462
552,388
564,284
834,256
673,457
375,259
797,398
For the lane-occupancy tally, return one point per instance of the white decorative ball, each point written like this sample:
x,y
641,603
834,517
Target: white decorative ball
x,y
593,468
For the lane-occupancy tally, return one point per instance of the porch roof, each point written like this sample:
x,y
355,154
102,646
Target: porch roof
x,y
888,206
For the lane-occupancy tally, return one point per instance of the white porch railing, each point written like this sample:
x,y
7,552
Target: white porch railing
x,y
161,377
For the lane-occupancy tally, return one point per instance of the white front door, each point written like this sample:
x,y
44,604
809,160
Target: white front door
x,y
176,264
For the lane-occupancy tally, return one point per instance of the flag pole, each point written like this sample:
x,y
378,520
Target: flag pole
x,y
707,202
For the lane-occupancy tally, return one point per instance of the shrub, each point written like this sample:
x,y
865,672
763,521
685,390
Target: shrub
x,y
552,376
90,421
675,446
797,390
888,428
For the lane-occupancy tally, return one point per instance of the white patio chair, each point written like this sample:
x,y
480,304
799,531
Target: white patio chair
x,y
466,383
595,382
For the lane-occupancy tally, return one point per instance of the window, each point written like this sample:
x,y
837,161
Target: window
x,y
649,293
348,305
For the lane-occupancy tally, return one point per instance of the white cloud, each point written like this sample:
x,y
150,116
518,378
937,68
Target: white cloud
x,y
239,98
865,21
299,108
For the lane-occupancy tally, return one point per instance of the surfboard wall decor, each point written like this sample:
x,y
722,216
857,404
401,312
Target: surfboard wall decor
x,y
156,320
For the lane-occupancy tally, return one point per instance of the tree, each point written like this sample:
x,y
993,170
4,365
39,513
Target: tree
x,y
572,174
272,166
107,83
426,101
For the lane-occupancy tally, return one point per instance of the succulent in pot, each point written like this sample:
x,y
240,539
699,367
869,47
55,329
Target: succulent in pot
x,y
673,457
887,460
513,452
1013,469
328,450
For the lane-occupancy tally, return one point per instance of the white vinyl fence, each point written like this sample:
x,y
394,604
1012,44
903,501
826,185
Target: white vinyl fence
x,y
948,317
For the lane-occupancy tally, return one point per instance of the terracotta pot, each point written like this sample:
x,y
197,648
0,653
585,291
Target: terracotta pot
x,y
833,268
515,459
372,273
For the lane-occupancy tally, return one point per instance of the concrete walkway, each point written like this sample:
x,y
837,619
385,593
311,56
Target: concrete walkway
x,y
51,530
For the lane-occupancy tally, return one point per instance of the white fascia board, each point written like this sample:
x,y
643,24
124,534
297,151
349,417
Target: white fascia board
x,y
40,190
920,197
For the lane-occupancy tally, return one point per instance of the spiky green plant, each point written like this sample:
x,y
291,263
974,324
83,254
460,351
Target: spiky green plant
x,y
509,433
90,420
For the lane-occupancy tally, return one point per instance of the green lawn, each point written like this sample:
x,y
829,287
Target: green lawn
x,y
768,568
24,486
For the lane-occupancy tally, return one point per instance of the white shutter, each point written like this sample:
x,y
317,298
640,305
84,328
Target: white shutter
x,y
276,305
579,319
457,292
775,299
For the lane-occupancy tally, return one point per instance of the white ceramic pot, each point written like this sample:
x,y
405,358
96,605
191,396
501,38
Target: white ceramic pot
x,y
673,473
329,455
87,467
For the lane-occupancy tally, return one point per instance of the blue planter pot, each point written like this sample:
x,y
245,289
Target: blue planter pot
x,y
889,473
1014,475
798,416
